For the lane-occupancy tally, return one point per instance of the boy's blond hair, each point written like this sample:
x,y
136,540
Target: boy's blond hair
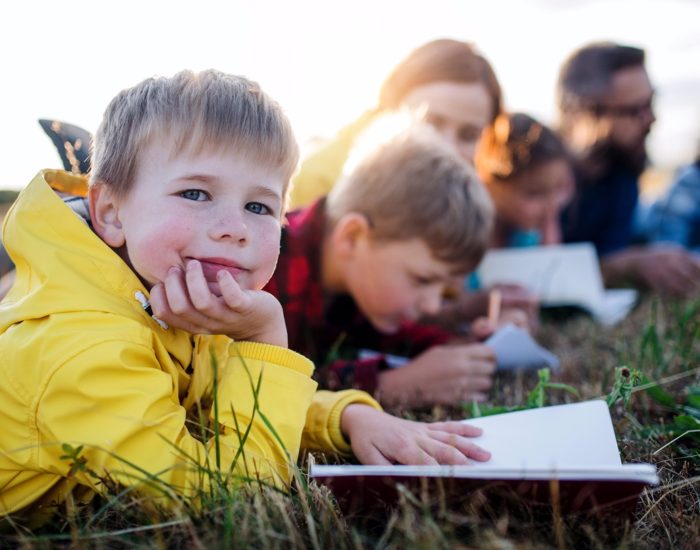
x,y
414,184
201,110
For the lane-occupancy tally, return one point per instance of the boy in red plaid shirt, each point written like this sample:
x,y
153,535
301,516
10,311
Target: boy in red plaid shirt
x,y
359,268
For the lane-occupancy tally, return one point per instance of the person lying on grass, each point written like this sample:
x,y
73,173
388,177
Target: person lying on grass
x,y
137,331
362,268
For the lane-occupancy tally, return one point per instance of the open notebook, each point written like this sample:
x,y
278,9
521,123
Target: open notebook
x,y
570,449
561,275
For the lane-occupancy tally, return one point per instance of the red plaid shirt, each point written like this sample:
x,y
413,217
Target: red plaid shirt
x,y
330,329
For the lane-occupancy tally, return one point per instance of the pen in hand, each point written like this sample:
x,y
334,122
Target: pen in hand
x,y
494,307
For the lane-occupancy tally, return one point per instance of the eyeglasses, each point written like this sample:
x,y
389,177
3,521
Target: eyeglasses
x,y
627,111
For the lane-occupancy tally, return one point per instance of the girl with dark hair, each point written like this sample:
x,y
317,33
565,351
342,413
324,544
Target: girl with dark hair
x,y
529,176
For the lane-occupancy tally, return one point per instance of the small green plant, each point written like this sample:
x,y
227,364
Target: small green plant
x,y
625,381
78,463
683,429
537,397
334,352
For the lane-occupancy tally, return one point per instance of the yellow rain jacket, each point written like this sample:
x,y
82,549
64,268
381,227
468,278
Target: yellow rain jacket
x,y
83,363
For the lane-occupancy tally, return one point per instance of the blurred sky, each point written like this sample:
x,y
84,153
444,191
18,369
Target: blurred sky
x,y
322,60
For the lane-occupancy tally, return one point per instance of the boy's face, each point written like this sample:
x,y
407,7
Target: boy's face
x,y
215,207
394,282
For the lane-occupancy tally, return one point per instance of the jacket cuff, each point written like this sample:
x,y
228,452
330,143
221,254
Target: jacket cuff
x,y
345,398
272,354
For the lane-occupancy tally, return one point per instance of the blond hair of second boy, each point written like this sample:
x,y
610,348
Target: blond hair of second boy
x,y
359,269
184,207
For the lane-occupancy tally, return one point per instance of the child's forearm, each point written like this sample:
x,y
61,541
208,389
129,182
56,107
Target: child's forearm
x,y
265,381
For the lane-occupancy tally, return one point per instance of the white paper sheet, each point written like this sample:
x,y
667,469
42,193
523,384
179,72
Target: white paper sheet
x,y
515,349
561,275
573,435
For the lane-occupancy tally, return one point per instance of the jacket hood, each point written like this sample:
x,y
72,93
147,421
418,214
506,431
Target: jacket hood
x,y
62,265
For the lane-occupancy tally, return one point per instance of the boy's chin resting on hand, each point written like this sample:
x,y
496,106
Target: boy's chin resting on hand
x,y
184,300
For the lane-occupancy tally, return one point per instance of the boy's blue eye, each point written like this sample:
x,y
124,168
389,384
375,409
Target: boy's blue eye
x,y
194,195
257,208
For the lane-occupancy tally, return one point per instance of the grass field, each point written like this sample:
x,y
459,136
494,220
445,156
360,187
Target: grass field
x,y
659,343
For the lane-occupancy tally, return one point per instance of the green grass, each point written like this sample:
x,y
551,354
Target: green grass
x,y
659,345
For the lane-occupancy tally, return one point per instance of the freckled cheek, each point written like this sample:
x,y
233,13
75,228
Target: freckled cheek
x,y
270,243
174,234
267,250
160,247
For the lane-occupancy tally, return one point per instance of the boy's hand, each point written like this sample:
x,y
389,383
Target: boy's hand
x,y
450,375
483,327
464,307
517,297
185,301
379,438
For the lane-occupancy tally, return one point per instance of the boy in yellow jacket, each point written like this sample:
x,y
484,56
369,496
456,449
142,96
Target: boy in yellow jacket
x,y
130,308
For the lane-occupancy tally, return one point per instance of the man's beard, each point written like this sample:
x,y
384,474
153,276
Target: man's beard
x,y
634,161
608,157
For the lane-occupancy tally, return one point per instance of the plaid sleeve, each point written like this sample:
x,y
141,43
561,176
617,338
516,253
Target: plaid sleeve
x,y
414,338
